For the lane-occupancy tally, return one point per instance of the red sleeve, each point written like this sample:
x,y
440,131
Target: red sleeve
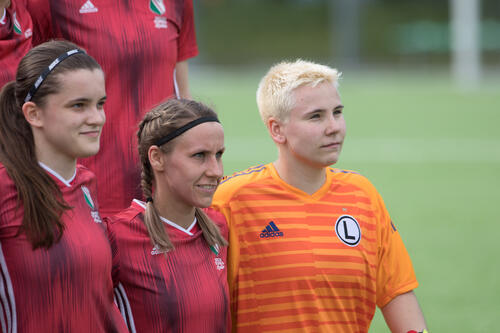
x,y
42,18
187,47
115,270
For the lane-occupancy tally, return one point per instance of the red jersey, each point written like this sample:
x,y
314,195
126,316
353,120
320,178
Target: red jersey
x,y
184,290
15,39
68,287
138,44
309,263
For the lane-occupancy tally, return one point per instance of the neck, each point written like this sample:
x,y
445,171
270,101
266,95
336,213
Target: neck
x,y
172,210
300,175
65,169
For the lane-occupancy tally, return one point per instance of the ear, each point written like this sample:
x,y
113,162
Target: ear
x,y
33,114
275,128
156,158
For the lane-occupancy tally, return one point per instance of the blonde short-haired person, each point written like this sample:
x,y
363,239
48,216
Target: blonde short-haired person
x,y
312,248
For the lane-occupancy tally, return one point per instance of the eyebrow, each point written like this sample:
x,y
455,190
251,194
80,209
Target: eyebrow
x,y
83,99
338,107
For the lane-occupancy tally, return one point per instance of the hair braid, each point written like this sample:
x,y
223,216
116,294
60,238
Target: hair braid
x,y
157,123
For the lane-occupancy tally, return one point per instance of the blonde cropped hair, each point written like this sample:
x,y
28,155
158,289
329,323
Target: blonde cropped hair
x,y
274,94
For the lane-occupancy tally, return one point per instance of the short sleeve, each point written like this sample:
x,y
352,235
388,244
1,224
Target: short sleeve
x,y
115,270
187,46
395,274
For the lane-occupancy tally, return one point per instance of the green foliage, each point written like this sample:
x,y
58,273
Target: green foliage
x,y
434,154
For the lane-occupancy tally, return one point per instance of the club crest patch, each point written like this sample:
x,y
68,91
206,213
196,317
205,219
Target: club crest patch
x,y
348,230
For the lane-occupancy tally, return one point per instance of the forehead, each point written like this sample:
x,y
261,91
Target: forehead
x,y
323,96
205,136
81,80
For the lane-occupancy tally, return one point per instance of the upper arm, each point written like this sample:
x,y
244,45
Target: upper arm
x,y
403,314
181,80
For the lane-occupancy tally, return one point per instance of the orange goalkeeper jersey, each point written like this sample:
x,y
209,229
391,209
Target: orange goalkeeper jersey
x,y
309,263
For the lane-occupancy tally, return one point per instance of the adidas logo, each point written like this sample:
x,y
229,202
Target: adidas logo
x,y
270,231
88,7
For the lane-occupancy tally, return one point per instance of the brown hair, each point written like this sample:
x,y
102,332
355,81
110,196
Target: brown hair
x,y
157,123
42,199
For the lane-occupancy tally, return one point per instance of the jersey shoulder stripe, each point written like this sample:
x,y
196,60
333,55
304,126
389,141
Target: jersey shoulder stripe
x,y
123,304
248,171
7,300
231,185
353,178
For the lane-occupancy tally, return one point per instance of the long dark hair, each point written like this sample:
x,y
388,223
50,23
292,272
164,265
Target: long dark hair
x,y
40,196
157,123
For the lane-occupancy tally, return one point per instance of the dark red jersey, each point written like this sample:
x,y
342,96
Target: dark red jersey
x,y
184,290
16,31
67,288
138,44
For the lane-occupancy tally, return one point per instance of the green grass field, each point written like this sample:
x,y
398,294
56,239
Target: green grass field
x,y
432,151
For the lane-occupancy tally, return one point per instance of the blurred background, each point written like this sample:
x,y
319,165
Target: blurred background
x,y
421,89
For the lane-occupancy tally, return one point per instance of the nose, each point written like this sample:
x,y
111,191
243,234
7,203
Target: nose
x,y
96,116
333,125
214,167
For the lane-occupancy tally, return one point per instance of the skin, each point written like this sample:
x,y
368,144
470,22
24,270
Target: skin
x,y
3,4
181,77
189,174
310,138
69,125
403,314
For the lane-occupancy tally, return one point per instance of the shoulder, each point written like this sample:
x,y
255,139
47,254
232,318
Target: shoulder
x,y
217,217
352,179
84,173
229,185
5,179
126,216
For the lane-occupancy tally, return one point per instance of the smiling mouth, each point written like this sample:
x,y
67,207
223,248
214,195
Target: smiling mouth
x,y
208,187
91,133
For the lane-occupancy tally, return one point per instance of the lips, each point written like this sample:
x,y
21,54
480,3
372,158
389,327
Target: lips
x,y
331,145
91,133
208,187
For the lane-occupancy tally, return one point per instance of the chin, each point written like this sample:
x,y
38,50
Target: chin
x,y
88,152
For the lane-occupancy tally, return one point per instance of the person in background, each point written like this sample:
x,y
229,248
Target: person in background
x,y
312,248
54,255
143,47
169,254
16,30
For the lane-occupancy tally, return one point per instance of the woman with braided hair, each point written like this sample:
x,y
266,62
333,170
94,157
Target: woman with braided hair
x,y
55,259
169,252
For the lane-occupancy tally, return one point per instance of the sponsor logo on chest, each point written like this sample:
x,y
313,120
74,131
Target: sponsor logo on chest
x,y
93,210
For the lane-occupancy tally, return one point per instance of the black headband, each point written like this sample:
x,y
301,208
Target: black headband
x,y
47,71
183,129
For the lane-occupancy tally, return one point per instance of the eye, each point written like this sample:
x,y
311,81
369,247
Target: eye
x,y
338,111
315,116
219,155
199,155
100,105
78,105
